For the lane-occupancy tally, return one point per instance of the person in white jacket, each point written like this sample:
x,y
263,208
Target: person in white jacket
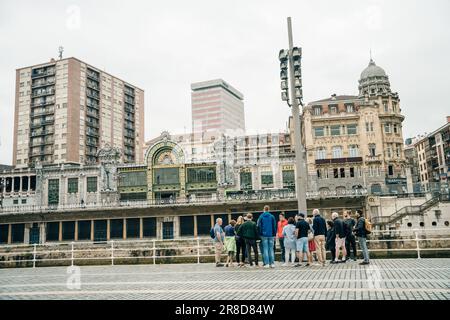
x,y
289,241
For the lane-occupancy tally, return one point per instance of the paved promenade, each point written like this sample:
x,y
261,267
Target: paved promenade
x,y
383,279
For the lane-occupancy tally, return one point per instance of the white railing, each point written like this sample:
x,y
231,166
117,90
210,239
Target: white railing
x,y
67,252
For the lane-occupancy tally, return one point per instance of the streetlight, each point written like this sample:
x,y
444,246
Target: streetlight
x,y
292,93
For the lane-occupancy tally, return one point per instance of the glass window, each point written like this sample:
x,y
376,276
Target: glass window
x,y
351,129
321,153
336,173
91,184
352,172
335,130
353,151
318,132
267,179
53,191
342,172
199,175
387,127
337,152
166,176
246,180
317,111
333,109
372,150
72,185
350,108
288,178
386,106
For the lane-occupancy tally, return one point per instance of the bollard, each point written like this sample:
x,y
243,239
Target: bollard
x,y
34,255
198,251
112,252
417,244
154,252
71,258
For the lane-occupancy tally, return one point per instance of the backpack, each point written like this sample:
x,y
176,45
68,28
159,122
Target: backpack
x,y
212,233
368,226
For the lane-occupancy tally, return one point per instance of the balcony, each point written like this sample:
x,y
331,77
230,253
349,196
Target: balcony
x,y
128,127
92,153
130,119
129,100
92,75
93,85
92,133
42,93
129,134
338,160
129,143
128,91
42,142
92,95
92,113
91,143
42,73
46,151
41,132
376,158
43,83
94,124
92,104
42,103
42,112
129,109
42,123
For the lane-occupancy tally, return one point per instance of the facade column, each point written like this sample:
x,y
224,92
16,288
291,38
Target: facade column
x,y
26,236
92,230
141,228
195,227
42,234
9,234
212,221
60,231
124,229
12,184
29,184
20,183
108,229
76,231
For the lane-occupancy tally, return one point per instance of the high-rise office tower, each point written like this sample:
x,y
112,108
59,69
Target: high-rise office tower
x,y
67,110
216,106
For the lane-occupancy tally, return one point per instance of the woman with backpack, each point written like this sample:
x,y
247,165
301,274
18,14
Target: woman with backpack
x,y
361,232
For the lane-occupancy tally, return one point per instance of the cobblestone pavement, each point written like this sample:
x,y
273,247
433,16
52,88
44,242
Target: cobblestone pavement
x,y
383,279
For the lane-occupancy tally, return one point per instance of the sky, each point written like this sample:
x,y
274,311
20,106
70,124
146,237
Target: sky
x,y
164,46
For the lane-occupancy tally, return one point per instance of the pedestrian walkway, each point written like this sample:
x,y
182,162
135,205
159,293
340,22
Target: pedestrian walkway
x,y
383,279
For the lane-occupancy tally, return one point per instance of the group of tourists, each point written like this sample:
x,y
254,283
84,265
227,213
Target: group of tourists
x,y
300,238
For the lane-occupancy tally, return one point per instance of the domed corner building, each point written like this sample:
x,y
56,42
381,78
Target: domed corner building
x,y
355,142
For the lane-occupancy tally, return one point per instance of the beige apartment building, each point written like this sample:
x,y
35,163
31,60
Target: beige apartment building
x,y
67,110
356,142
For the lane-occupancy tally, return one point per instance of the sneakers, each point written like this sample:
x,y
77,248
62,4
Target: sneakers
x,y
266,266
285,265
307,265
364,263
272,265
297,265
219,264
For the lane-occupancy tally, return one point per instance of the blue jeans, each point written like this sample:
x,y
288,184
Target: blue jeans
x,y
267,246
364,249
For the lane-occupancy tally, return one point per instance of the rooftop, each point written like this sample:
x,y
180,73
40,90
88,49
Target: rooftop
x,y
197,86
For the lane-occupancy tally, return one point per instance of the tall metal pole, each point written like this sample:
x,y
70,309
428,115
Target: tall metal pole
x,y
300,165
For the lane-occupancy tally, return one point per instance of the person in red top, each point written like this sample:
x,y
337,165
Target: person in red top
x,y
280,225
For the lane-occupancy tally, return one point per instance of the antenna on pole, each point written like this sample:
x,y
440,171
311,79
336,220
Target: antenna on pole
x,y
60,50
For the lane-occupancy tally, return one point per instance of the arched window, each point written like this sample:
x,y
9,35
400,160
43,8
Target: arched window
x,y
353,151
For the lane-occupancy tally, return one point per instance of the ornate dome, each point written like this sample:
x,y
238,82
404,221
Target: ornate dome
x,y
372,70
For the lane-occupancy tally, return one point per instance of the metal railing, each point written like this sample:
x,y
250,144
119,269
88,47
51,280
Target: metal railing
x,y
194,248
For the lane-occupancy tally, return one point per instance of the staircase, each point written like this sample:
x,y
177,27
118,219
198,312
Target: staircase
x,y
416,210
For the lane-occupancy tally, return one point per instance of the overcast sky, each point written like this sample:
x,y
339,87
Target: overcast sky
x,y
164,46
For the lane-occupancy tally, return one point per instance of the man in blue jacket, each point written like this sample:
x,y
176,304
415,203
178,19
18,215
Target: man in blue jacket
x,y
267,230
